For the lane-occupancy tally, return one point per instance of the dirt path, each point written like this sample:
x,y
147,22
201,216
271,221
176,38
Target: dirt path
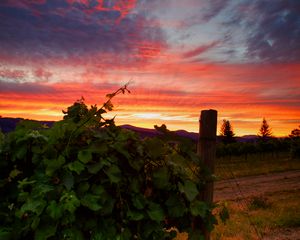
x,y
245,187
256,185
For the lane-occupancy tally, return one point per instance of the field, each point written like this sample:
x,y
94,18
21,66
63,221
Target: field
x,y
256,164
263,199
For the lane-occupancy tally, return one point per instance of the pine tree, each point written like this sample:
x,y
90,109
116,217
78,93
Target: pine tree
x,y
226,132
265,132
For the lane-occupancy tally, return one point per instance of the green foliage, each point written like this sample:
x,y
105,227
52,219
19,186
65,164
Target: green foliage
x,y
85,178
77,111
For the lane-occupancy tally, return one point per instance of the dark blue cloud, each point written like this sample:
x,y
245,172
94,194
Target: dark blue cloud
x,y
59,29
214,8
273,29
210,10
27,88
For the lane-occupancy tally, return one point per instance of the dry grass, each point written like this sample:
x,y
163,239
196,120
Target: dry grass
x,y
249,220
273,217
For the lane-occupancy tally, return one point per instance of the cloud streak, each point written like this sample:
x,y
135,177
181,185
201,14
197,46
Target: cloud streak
x,y
199,50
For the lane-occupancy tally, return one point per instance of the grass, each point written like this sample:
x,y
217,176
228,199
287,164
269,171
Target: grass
x,y
256,164
246,224
277,210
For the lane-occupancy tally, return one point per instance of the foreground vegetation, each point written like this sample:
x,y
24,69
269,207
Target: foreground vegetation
x,y
85,178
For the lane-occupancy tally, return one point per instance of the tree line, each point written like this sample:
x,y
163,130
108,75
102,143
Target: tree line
x,y
265,142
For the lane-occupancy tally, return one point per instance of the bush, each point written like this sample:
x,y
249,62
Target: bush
x,y
258,202
89,179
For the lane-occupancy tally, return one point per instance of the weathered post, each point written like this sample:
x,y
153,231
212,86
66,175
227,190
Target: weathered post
x,y
207,151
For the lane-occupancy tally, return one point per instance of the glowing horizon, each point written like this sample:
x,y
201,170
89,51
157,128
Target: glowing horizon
x,y
179,57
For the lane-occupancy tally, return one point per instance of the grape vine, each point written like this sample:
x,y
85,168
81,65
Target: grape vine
x,y
86,178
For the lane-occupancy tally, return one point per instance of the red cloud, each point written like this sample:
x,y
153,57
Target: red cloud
x,y
12,74
42,74
122,6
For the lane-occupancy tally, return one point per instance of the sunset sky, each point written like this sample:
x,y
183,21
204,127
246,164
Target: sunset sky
x,y
240,57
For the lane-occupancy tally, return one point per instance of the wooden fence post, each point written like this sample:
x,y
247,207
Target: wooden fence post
x,y
207,151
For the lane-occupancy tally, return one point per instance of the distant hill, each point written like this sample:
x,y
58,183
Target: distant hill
x,y
9,124
247,138
146,132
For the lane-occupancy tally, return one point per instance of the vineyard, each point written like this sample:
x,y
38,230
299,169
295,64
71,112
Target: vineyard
x,y
85,178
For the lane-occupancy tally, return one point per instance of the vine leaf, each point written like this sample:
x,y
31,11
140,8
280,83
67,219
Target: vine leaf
x,y
175,207
14,173
114,174
54,210
53,164
161,178
69,201
94,168
155,212
85,156
5,233
76,166
135,215
139,201
189,188
44,232
68,180
33,205
199,208
91,201
156,147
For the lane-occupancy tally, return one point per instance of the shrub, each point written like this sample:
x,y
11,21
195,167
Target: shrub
x,y
258,202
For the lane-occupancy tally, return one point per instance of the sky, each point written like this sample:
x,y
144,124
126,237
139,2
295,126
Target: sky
x,y
240,57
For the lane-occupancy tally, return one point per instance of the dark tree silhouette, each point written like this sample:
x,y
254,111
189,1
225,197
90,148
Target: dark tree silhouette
x,y
295,133
265,132
226,132
295,143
